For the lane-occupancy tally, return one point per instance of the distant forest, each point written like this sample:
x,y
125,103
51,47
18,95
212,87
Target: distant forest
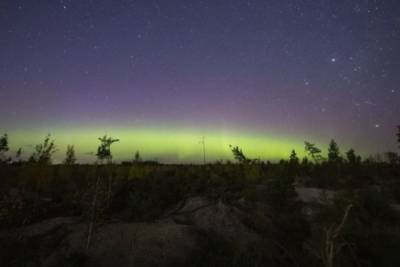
x,y
43,153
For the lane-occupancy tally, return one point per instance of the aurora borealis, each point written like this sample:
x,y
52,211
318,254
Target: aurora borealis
x,y
159,75
167,145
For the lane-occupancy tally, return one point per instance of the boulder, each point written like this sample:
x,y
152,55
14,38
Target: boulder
x,y
135,244
62,242
310,194
184,233
230,221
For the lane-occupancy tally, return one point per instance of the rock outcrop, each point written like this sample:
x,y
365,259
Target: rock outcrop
x,y
171,241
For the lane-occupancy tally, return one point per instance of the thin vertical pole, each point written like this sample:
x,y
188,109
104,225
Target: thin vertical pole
x,y
203,142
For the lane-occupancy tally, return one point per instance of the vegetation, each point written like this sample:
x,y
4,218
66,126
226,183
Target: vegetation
x,y
3,147
398,135
137,157
43,152
238,154
354,221
334,153
352,158
70,157
104,149
313,151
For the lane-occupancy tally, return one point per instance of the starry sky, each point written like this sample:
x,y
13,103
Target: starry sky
x,y
159,75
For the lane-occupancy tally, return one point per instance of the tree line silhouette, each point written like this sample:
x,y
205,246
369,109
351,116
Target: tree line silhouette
x,y
43,153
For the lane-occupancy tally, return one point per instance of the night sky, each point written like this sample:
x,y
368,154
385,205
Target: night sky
x,y
159,75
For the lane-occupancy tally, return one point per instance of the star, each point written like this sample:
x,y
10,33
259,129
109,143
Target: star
x,y
203,61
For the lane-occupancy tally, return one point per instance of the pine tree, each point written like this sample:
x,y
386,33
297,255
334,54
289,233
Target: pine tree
x,y
3,147
398,135
238,154
334,153
137,158
18,155
352,158
70,157
104,149
43,152
4,143
313,151
103,153
294,164
392,157
293,160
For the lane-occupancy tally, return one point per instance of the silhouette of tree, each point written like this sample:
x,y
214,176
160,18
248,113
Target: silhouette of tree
x,y
352,158
294,164
103,153
137,158
3,146
238,154
4,143
313,151
70,157
104,149
293,160
43,152
398,135
334,153
18,155
392,157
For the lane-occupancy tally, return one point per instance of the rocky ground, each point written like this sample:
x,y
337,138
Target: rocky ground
x,y
178,236
184,236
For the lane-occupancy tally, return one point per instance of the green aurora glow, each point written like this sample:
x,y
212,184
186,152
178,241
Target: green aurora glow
x,y
164,145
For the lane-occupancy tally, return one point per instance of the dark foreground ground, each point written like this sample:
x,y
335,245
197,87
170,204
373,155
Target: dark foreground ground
x,y
250,214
